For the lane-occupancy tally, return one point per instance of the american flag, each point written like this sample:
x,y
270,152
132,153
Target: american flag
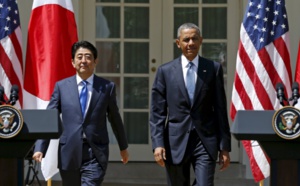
x,y
263,60
11,63
297,72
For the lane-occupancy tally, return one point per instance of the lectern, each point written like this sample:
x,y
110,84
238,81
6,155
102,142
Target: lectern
x,y
38,124
284,154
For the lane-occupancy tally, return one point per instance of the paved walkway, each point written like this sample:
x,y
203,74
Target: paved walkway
x,y
150,174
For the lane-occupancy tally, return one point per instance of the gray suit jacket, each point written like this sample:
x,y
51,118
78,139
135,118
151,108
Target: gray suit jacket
x,y
103,105
173,116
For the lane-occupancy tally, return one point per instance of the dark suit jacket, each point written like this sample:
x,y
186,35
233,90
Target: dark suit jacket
x,y
173,116
103,105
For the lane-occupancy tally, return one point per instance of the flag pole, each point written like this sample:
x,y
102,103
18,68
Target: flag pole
x,y
261,183
49,182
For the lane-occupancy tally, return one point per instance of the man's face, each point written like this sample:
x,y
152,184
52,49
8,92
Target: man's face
x,y
84,62
189,43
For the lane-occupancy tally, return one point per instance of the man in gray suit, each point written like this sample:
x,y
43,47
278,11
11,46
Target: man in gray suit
x,y
83,144
189,122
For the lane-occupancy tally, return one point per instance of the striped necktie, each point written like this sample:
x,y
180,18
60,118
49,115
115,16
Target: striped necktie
x,y
190,81
83,96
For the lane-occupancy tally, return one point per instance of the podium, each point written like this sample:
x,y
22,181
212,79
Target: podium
x,y
284,154
37,124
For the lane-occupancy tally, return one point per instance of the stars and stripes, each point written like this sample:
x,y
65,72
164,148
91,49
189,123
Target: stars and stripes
x,y
297,71
265,21
11,63
263,60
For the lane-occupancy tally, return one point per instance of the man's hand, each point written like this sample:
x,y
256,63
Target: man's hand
x,y
37,156
125,156
160,156
224,160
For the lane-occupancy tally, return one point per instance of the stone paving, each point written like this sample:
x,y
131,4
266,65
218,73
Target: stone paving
x,y
150,174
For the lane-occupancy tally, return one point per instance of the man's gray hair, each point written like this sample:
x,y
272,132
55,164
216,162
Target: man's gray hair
x,y
188,26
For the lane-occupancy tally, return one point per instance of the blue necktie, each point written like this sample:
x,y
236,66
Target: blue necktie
x,y
83,96
190,81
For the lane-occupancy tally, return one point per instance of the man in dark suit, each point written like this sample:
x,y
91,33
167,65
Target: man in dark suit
x,y
83,144
189,122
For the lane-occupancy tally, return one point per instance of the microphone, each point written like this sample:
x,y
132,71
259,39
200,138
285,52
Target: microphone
x,y
14,91
1,95
295,93
280,93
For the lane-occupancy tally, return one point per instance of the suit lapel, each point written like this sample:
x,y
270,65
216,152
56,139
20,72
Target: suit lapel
x,y
74,95
96,92
201,76
179,78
